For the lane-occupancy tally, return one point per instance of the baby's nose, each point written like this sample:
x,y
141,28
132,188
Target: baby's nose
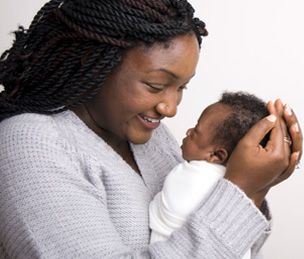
x,y
189,131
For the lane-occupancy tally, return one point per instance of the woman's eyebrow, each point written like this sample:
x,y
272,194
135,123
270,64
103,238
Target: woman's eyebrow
x,y
164,70
167,71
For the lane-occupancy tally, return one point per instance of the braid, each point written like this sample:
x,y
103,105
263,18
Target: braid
x,y
71,46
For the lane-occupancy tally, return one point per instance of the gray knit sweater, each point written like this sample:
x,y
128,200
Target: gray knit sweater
x,y
64,193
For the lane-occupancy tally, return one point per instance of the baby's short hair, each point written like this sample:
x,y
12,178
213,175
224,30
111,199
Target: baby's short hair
x,y
246,110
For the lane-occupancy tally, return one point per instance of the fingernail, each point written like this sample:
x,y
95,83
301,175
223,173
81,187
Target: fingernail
x,y
297,155
271,118
297,127
288,109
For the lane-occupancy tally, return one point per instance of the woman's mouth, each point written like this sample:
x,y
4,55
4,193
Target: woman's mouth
x,y
148,122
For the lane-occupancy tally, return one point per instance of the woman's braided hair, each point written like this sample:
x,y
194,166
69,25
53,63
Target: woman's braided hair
x,y
71,45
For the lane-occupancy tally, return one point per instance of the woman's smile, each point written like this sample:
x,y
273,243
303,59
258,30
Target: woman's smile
x,y
145,88
149,122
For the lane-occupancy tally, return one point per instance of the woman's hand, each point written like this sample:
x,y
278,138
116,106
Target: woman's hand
x,y
294,132
256,169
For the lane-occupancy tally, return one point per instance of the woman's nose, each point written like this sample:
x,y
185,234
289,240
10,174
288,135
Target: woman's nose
x,y
168,109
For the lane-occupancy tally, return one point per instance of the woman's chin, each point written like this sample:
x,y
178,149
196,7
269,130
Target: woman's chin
x,y
140,138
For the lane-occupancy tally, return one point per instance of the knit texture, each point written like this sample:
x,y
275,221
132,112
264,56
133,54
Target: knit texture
x,y
64,193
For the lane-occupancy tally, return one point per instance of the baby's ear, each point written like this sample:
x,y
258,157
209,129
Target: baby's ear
x,y
219,156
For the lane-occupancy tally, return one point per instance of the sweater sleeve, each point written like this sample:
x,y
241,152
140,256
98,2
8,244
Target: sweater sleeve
x,y
50,210
225,225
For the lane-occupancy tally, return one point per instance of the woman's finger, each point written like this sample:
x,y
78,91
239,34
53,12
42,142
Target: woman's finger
x,y
260,129
280,110
294,130
286,136
276,137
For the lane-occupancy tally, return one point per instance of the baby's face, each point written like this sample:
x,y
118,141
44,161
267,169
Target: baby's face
x,y
199,143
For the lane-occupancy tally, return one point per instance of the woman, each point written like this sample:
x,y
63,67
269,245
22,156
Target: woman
x,y
83,149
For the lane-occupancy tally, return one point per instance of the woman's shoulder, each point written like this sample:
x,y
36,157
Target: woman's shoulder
x,y
62,134
30,131
27,126
27,134
31,126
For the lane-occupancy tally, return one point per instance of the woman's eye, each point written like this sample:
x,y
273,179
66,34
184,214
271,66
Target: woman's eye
x,y
156,87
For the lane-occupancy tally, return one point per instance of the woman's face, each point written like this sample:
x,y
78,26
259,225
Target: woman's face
x,y
146,87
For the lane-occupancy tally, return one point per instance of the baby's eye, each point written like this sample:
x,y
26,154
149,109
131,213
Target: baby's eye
x,y
182,88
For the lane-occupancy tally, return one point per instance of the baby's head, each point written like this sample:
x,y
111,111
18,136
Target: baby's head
x,y
221,126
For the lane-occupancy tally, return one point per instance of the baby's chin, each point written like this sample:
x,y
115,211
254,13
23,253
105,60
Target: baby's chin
x,y
184,153
185,157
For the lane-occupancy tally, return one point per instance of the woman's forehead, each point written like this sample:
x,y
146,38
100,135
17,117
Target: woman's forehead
x,y
180,57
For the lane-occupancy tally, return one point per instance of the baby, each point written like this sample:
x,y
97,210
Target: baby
x,y
206,150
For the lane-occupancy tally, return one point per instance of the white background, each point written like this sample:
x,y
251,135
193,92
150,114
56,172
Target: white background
x,y
255,46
